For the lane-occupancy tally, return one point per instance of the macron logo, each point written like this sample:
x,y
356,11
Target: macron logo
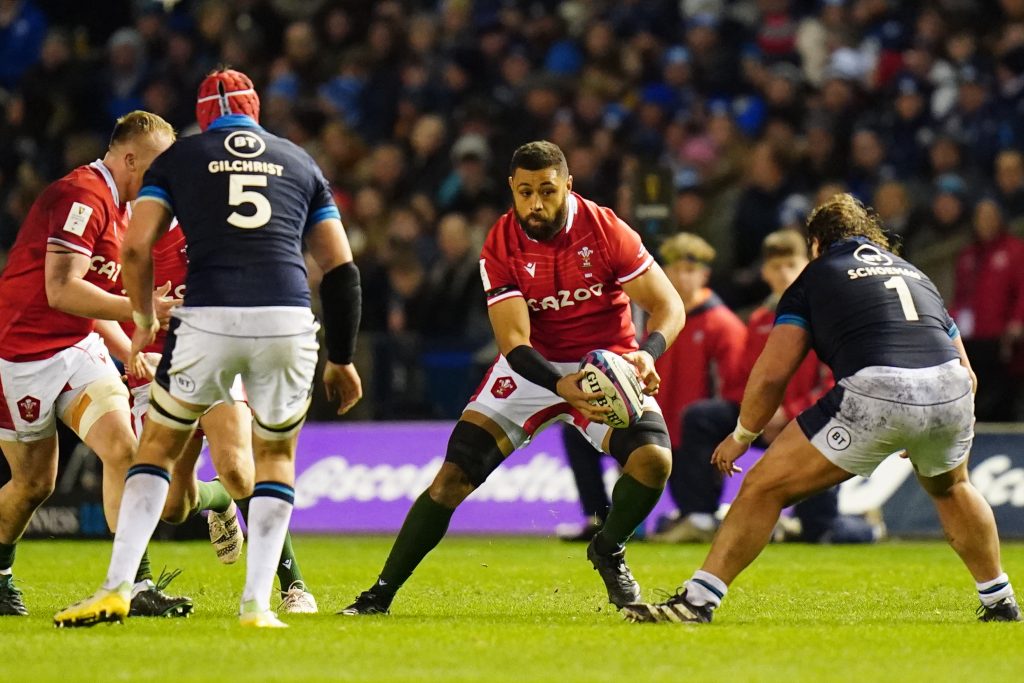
x,y
531,268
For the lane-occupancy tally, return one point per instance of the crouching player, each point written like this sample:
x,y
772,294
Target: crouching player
x,y
903,383
228,430
559,273
246,312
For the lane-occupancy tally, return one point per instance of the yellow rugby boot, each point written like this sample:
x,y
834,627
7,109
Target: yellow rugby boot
x,y
104,606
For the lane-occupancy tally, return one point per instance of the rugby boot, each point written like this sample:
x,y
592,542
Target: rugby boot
x,y
1004,610
297,600
151,601
226,534
368,603
676,609
251,617
622,587
10,598
103,606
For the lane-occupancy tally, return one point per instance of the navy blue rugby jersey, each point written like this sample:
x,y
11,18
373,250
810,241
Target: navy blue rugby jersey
x,y
865,306
244,198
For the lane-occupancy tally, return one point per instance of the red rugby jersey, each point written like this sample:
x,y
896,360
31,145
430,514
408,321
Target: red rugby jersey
x,y
572,283
170,263
83,213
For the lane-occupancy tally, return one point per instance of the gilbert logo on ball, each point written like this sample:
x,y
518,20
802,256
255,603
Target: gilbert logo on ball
x,y
612,375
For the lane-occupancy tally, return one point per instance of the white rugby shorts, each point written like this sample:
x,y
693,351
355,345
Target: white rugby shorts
x,y
522,408
878,411
272,348
34,393
140,403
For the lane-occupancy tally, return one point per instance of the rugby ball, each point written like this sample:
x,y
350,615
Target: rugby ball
x,y
616,377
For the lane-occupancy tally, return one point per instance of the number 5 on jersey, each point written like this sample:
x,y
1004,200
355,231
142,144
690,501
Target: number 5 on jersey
x,y
906,301
238,195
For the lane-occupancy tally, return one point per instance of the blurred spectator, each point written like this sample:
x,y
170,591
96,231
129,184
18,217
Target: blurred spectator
x,y
933,246
1009,187
454,294
22,30
471,185
124,76
989,309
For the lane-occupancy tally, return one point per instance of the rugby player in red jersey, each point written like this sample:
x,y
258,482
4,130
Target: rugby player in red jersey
x,y
64,272
228,429
560,272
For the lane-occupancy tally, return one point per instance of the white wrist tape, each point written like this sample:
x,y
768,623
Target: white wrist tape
x,y
143,320
743,435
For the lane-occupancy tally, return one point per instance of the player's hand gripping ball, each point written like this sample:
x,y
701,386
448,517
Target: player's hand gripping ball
x,y
616,378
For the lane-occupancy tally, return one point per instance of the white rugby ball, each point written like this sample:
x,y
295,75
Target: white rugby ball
x,y
616,378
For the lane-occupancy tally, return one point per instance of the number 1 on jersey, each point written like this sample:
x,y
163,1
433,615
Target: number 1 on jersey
x,y
903,290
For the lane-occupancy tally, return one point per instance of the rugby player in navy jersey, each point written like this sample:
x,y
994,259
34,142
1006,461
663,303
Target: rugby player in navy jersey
x,y
903,384
247,200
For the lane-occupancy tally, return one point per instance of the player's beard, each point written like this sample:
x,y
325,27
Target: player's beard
x,y
537,228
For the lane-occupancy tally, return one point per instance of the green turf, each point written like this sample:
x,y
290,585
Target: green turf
x,y
530,610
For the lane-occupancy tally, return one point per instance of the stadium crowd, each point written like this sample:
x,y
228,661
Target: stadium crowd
x,y
729,119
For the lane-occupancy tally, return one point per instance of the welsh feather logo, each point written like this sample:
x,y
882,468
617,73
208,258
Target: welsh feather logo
x,y
585,253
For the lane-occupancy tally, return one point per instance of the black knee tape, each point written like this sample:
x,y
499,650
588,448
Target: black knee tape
x,y
648,430
474,450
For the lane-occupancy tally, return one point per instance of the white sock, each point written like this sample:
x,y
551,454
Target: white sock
x,y
705,589
991,592
705,521
6,572
145,491
270,510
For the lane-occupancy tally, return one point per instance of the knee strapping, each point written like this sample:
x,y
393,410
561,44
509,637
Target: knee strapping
x,y
168,411
282,431
474,450
650,430
103,396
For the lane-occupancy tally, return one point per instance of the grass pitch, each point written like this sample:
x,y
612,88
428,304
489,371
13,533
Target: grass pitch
x,y
529,610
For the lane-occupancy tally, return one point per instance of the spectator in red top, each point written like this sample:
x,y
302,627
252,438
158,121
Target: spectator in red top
x,y
695,483
989,308
706,356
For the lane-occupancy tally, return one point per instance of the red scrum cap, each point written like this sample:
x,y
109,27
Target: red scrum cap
x,y
226,92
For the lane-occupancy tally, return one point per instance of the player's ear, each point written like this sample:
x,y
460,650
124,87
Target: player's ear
x,y
510,184
130,161
568,183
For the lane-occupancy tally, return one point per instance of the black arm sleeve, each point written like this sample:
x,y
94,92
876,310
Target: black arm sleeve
x,y
528,362
655,345
341,303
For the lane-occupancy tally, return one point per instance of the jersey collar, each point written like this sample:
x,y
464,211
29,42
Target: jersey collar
x,y
571,214
233,121
108,178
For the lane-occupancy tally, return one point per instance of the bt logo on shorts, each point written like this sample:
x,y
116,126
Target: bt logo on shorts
x,y
566,298
101,266
839,438
503,387
184,382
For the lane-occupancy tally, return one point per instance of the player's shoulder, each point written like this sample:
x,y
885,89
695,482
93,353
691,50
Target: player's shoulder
x,y
85,184
503,232
594,216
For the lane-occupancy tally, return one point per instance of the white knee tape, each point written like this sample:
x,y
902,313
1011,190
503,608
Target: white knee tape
x,y
103,396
